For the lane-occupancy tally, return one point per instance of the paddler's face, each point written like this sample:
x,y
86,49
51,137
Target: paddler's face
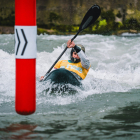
x,y
75,55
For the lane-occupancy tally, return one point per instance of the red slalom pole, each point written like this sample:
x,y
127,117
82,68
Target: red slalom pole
x,y
25,55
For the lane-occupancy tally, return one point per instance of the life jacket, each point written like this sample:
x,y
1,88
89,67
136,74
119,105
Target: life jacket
x,y
73,67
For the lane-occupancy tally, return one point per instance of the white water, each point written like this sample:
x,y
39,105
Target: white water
x,y
115,61
112,59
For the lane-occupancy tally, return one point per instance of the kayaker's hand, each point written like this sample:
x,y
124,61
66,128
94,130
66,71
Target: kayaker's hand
x,y
41,78
70,44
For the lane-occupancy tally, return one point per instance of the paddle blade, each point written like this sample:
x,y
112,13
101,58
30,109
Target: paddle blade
x,y
90,17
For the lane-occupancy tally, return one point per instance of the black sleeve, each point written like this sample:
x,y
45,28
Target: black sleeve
x,y
77,49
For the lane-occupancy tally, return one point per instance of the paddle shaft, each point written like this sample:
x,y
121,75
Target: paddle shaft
x,y
62,53
57,60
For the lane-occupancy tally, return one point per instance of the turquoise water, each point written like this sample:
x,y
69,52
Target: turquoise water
x,y
108,106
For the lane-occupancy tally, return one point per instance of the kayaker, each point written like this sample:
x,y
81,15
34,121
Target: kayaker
x,y
78,64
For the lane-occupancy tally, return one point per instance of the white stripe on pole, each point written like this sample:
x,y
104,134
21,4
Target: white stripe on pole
x,y
25,42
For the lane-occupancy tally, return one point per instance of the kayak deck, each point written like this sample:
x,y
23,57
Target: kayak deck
x,y
62,76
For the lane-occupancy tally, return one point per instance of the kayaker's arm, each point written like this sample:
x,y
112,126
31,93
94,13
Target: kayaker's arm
x,y
84,59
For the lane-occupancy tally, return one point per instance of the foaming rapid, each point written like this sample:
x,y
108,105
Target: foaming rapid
x,y
114,62
7,73
115,65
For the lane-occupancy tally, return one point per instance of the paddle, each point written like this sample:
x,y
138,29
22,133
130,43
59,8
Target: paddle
x,y
91,16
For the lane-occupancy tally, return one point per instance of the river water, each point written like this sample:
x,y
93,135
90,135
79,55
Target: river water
x,y
107,108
